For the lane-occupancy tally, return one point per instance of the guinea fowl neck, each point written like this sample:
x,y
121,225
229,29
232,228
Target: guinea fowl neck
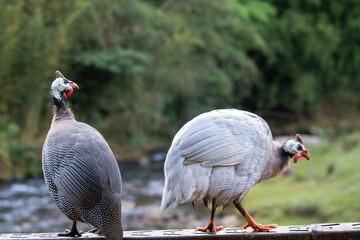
x,y
279,161
61,111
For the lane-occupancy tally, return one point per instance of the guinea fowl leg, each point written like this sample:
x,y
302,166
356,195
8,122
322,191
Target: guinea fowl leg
x,y
251,222
72,233
211,225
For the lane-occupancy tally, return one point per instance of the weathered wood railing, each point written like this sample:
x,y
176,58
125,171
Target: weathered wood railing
x,y
328,231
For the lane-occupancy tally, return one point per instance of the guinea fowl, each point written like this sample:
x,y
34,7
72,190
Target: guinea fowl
x,y
219,156
80,169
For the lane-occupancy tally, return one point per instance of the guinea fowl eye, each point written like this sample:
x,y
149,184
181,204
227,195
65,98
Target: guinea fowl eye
x,y
299,147
66,81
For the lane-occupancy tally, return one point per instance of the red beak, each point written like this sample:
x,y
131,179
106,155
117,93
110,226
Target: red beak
x,y
68,92
73,85
304,154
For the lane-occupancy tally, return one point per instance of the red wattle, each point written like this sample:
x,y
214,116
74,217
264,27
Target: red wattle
x,y
68,92
297,157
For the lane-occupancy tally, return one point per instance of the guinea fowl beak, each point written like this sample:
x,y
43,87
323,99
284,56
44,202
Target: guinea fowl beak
x,y
74,85
68,92
304,154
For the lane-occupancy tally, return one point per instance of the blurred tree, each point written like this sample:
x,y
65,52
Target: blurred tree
x,y
15,159
37,38
145,67
190,56
311,66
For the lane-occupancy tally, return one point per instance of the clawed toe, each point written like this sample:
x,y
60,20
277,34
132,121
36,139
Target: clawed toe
x,y
261,228
94,230
69,233
212,229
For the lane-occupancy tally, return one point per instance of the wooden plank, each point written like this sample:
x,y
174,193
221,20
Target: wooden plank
x,y
331,231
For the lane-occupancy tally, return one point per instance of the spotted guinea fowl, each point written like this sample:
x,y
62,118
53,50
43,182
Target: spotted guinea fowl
x,y
218,156
80,169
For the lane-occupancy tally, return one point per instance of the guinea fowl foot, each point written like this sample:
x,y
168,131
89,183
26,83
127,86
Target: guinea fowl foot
x,y
211,225
260,228
211,228
94,230
251,222
70,234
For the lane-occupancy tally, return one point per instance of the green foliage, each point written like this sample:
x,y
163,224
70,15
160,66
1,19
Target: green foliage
x,y
116,60
259,10
15,157
37,38
167,62
145,67
308,43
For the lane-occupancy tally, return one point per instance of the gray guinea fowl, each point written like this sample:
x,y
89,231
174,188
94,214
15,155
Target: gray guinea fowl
x,y
80,169
219,156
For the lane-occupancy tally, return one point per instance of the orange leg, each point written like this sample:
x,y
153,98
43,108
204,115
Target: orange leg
x,y
251,222
211,225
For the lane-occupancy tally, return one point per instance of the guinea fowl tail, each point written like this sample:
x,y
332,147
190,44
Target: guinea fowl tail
x,y
165,203
171,188
183,183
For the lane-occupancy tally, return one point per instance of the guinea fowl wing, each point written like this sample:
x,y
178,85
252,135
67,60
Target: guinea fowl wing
x,y
80,180
222,139
83,155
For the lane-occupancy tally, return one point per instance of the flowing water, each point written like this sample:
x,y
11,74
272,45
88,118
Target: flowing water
x,y
26,206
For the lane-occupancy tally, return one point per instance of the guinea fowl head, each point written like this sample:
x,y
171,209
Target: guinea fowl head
x,y
62,87
295,148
